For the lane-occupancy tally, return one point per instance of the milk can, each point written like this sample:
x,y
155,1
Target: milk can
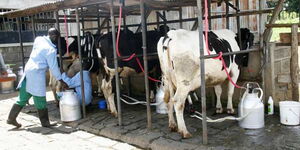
x,y
161,106
69,106
251,109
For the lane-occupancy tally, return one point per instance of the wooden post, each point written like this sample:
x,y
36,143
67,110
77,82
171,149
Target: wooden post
x,y
268,32
294,63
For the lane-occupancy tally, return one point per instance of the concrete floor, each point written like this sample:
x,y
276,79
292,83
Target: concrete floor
x,y
224,135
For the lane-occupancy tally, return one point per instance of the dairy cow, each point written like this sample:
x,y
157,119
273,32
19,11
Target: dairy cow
x,y
129,43
179,59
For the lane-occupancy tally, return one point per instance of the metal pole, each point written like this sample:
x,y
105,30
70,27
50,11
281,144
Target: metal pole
x,y
157,20
143,19
82,19
238,22
80,58
124,17
108,27
180,18
260,30
98,19
209,14
165,21
33,27
21,41
202,70
227,12
213,95
59,42
113,29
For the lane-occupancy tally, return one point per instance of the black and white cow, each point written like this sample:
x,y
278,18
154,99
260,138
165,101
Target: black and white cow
x,y
180,64
129,43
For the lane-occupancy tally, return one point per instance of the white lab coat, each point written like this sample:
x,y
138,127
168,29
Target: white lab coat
x,y
75,82
42,58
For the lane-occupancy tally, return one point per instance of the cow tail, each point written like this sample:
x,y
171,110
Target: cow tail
x,y
166,41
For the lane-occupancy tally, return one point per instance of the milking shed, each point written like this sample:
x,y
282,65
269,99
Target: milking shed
x,y
99,15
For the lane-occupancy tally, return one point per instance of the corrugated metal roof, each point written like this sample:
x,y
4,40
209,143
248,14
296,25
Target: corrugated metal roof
x,y
20,4
34,9
50,6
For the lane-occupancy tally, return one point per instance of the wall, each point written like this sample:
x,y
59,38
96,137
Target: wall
x,y
278,76
12,54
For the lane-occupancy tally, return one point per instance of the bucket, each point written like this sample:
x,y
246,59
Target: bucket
x,y
161,106
102,104
289,112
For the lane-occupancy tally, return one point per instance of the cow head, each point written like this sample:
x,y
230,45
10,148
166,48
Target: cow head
x,y
163,30
247,39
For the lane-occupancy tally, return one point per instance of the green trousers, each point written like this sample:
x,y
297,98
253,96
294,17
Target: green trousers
x,y
24,96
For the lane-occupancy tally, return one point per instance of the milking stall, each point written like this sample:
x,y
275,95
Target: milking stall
x,y
148,70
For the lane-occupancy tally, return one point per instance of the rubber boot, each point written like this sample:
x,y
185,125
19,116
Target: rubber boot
x,y
13,114
44,118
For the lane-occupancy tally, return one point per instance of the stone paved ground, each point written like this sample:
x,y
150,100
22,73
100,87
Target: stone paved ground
x,y
34,137
225,135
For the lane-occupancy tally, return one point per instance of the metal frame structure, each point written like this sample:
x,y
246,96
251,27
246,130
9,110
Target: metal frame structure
x,y
141,7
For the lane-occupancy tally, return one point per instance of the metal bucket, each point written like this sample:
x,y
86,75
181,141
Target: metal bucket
x,y
7,87
69,107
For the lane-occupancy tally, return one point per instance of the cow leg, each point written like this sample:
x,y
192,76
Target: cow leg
x,y
234,76
99,84
152,97
218,91
172,123
180,97
109,96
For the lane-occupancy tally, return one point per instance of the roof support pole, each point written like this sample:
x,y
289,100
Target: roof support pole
x,y
144,27
107,26
113,29
157,20
209,16
80,58
227,12
202,70
59,41
98,20
238,21
19,24
33,27
180,18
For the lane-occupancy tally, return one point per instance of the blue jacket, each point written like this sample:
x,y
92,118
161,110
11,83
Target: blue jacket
x,y
42,58
74,82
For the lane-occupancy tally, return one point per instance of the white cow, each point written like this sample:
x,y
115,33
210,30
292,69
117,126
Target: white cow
x,y
180,63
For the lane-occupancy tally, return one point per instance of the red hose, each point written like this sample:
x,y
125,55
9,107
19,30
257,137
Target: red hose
x,y
118,37
207,47
132,55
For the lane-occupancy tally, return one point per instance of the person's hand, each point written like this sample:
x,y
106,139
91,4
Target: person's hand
x,y
64,85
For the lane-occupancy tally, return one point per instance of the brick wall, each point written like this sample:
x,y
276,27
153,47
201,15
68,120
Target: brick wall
x,y
12,54
279,84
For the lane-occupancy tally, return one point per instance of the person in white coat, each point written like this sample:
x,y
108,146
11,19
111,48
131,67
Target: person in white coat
x,y
33,82
75,83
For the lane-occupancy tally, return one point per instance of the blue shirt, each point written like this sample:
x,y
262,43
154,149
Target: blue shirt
x,y
74,82
42,58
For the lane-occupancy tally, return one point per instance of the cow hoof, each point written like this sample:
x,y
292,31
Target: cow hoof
x,y
173,127
230,111
186,135
115,114
219,110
